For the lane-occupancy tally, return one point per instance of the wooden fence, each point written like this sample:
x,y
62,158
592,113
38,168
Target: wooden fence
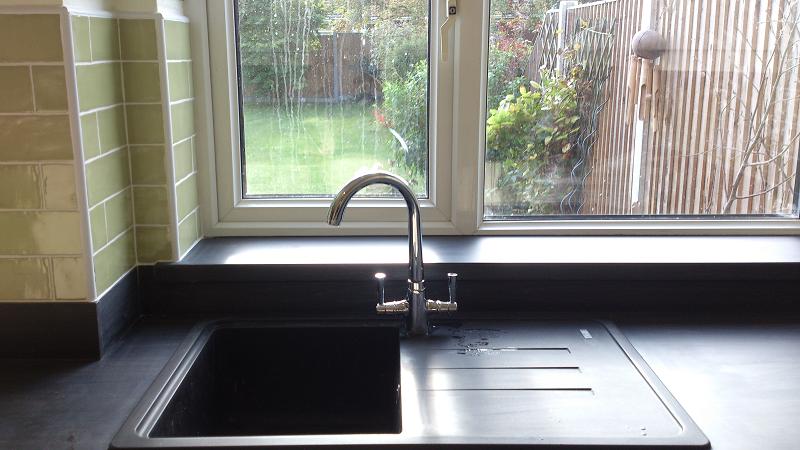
x,y
712,126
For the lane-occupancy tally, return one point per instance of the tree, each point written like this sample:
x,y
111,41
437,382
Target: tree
x,y
275,39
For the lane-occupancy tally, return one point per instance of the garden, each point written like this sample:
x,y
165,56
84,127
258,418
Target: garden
x,y
307,131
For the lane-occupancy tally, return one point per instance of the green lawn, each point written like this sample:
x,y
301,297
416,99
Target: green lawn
x,y
315,152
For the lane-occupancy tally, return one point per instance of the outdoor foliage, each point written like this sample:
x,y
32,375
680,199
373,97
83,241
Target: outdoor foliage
x,y
275,39
405,110
531,134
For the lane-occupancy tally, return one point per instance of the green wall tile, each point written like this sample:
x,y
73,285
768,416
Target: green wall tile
x,y
145,124
114,261
81,39
16,94
107,175
142,82
31,138
182,121
119,213
147,165
180,80
184,159
59,187
97,219
69,278
19,187
138,38
99,85
111,123
188,233
187,196
25,279
153,244
151,206
40,233
177,40
34,37
50,88
89,134
105,39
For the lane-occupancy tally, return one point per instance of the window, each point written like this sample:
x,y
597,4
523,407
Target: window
x,y
507,116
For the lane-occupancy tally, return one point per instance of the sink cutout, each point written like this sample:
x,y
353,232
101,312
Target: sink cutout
x,y
288,381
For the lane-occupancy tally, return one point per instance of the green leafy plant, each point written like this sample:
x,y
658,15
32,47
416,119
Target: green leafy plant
x,y
531,135
405,111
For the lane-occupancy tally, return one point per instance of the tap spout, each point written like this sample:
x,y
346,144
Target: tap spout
x,y
339,204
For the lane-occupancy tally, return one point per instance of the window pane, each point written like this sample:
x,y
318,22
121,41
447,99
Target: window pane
x,y
330,89
703,120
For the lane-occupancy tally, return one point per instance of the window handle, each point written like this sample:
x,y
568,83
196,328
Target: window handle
x,y
444,30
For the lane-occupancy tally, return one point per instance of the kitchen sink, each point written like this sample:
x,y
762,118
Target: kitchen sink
x,y
488,384
279,381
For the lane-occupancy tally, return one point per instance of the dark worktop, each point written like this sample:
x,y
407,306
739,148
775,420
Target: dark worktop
x,y
738,381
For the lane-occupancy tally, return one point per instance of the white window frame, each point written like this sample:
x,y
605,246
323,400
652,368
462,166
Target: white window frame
x,y
456,140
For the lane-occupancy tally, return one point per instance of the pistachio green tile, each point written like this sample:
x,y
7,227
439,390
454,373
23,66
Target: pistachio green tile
x,y
119,213
19,187
30,37
59,186
147,165
182,121
81,39
142,82
184,159
187,196
40,233
107,175
153,244
16,93
50,88
105,39
99,85
97,221
138,38
90,135
32,138
151,205
180,80
188,233
69,278
145,124
114,261
177,40
25,279
111,123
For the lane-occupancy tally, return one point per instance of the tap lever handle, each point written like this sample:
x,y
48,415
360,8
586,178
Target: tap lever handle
x,y
381,278
451,285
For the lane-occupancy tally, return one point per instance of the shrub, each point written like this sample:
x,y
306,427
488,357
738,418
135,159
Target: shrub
x,y
532,136
405,110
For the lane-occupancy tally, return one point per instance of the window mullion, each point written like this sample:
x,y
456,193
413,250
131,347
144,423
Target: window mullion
x,y
468,112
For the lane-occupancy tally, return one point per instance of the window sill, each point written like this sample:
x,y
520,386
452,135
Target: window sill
x,y
275,259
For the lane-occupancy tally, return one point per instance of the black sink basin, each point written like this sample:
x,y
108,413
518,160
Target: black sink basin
x,y
268,381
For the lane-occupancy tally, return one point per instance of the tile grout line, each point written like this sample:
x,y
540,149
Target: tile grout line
x,y
33,89
102,153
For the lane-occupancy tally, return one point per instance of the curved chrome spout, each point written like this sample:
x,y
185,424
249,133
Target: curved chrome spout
x,y
336,213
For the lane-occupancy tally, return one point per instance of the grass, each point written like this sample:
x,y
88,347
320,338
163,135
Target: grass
x,y
313,152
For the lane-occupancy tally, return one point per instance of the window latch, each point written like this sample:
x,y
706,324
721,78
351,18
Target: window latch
x,y
444,30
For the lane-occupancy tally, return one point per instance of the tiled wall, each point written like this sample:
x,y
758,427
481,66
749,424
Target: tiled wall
x,y
41,239
126,192
181,93
104,131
